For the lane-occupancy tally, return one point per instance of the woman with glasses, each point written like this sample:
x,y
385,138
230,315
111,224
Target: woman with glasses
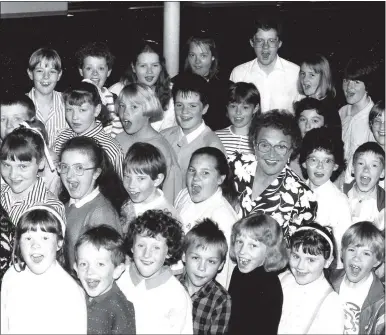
x,y
92,191
268,184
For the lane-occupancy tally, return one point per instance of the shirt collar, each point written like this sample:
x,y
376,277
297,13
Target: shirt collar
x,y
203,291
140,206
36,192
86,199
94,131
152,282
195,133
322,188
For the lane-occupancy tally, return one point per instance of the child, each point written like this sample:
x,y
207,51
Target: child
x,y
360,291
322,157
45,70
144,173
137,104
258,248
7,232
91,190
190,104
210,193
99,262
310,305
366,197
37,295
162,306
83,107
95,63
21,158
205,250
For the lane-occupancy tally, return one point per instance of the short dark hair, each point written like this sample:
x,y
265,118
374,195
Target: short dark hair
x,y
95,49
268,23
187,83
82,93
373,147
323,139
105,237
377,109
18,98
207,233
154,222
244,92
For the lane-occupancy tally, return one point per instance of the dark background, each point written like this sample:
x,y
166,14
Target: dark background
x,y
338,30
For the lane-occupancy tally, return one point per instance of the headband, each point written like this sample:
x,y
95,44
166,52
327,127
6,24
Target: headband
x,y
101,95
46,152
318,231
52,211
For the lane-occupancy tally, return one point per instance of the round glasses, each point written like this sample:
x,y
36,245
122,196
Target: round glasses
x,y
259,42
312,162
280,149
79,169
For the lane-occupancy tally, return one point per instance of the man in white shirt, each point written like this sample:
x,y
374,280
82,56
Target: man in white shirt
x,y
274,77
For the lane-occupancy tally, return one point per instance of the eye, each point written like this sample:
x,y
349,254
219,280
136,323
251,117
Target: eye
x,y
23,166
157,247
357,82
192,105
156,65
5,164
282,147
238,242
45,238
141,178
232,106
194,257
294,256
311,260
212,262
178,105
87,68
316,121
191,54
101,69
350,249
78,168
190,169
101,264
81,264
253,245
367,253
204,56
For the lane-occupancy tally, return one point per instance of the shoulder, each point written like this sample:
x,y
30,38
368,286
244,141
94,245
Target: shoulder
x,y
169,131
243,67
289,66
10,278
210,136
179,292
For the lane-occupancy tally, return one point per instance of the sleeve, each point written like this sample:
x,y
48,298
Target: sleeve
x,y
220,317
124,322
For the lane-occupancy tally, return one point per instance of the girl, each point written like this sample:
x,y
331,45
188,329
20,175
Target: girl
x,y
209,194
21,157
137,104
92,191
38,296
258,248
148,67
310,304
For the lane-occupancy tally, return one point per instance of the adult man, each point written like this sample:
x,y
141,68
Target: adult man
x,y
274,77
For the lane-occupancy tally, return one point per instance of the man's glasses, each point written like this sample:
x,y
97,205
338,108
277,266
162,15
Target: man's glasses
x,y
259,42
79,169
280,149
312,162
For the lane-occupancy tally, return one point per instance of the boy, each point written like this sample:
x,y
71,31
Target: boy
x,y
45,70
322,157
361,292
205,249
95,63
162,306
190,104
99,261
366,197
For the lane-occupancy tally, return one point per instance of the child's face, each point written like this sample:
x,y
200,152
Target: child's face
x,y
354,90
368,169
19,175
202,178
78,186
11,117
309,119
358,261
240,114
131,115
189,111
320,165
95,69
202,264
307,268
140,186
45,76
96,270
82,118
200,59
309,79
147,68
38,249
149,254
250,253
378,129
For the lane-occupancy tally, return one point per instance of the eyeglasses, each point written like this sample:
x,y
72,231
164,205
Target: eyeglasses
x,y
312,162
265,147
378,123
79,169
259,42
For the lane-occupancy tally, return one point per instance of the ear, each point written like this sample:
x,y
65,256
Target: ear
x,y
118,271
183,258
251,42
97,173
60,75
304,165
221,179
280,43
336,167
382,174
109,72
160,178
41,164
133,67
221,266
60,245
81,72
98,109
256,109
75,266
30,74
205,109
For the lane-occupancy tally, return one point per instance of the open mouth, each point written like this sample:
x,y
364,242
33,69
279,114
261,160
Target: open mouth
x,y
301,274
265,55
365,180
243,261
355,270
270,162
134,195
238,119
73,186
149,79
319,175
37,258
45,84
349,95
186,118
196,189
92,283
127,123
146,263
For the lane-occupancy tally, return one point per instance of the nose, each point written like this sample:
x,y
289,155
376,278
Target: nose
x,y
35,244
350,84
14,172
9,124
301,264
308,125
46,74
201,265
75,115
238,110
94,71
147,252
366,168
197,60
196,176
242,249
319,164
149,69
70,174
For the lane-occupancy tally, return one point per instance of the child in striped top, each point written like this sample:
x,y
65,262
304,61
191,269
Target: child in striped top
x,y
243,105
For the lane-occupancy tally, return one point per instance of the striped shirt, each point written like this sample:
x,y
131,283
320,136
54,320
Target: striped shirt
x,y
39,194
233,142
116,126
56,119
110,145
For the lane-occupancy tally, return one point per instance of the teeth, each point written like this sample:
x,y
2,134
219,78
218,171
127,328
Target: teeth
x,y
243,261
196,189
37,258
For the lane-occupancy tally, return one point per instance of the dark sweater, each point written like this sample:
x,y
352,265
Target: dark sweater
x,y
257,300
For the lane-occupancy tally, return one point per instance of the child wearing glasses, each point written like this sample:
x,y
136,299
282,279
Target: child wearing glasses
x,y
322,157
92,191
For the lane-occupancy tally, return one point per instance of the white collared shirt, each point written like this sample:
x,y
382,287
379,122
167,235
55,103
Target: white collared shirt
x,y
277,89
89,197
195,133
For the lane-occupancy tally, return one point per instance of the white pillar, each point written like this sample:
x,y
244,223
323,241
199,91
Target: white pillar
x,y
172,36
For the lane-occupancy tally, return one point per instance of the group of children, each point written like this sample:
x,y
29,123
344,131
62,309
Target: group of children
x,y
130,196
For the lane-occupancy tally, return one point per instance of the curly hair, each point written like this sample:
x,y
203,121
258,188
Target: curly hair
x,y
95,49
158,222
280,119
264,229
